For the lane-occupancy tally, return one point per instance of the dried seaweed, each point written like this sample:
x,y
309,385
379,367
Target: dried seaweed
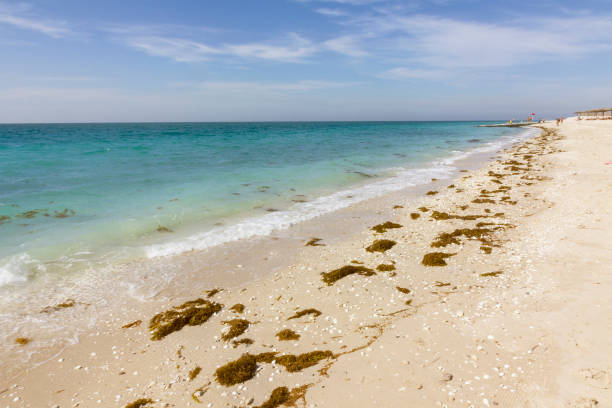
x,y
305,312
436,258
381,245
287,334
192,313
238,308
333,276
381,228
237,327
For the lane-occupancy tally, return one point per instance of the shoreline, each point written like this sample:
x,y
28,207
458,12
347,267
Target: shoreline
x,y
463,309
165,277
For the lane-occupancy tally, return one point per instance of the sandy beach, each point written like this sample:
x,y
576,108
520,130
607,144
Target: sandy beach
x,y
490,291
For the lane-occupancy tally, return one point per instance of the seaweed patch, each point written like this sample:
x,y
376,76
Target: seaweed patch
x,y
495,273
314,242
431,193
139,403
403,290
161,228
237,371
436,258
194,373
293,363
414,215
385,267
64,305
247,342
279,396
212,292
287,334
237,308
305,312
192,313
380,228
133,324
22,340
237,327
333,276
381,245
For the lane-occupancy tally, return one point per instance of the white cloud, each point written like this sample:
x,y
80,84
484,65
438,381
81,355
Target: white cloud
x,y
18,16
259,87
177,49
347,45
331,12
411,73
184,50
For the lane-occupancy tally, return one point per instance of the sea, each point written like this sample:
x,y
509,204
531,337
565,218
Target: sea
x,y
77,200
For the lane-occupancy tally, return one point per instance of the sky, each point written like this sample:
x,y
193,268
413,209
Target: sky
x,y
292,60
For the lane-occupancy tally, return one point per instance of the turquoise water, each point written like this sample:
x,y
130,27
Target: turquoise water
x,y
73,194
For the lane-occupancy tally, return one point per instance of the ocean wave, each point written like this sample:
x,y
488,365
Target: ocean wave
x,y
280,220
18,269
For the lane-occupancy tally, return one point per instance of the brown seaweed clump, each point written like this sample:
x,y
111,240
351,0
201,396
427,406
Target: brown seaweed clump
x,y
64,305
436,259
247,342
238,308
237,371
385,267
414,215
64,214
305,312
22,340
441,216
486,249
133,324
380,228
431,193
212,292
333,276
495,273
279,396
287,334
139,403
4,218
423,209
314,242
395,207
403,290
293,363
483,201
445,238
191,313
381,245
161,228
194,373
237,327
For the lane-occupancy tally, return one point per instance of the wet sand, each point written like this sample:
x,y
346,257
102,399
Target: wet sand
x,y
518,316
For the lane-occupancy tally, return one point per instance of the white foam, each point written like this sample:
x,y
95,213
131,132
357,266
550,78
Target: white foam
x,y
18,268
266,224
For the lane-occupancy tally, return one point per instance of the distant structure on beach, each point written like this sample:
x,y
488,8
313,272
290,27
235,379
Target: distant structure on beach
x,y
603,113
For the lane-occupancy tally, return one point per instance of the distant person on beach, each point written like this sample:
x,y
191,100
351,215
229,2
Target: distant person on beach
x,y
558,121
562,119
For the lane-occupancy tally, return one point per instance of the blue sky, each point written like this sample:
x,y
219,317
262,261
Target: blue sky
x,y
82,61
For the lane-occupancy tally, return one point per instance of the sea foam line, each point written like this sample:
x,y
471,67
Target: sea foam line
x,y
266,224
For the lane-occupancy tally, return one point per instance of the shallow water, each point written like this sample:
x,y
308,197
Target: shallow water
x,y
85,202
74,195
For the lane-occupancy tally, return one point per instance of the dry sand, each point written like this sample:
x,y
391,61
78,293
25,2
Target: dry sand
x,y
527,325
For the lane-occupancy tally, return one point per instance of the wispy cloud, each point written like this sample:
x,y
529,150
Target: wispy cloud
x,y
331,12
21,16
347,45
259,87
411,73
293,49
